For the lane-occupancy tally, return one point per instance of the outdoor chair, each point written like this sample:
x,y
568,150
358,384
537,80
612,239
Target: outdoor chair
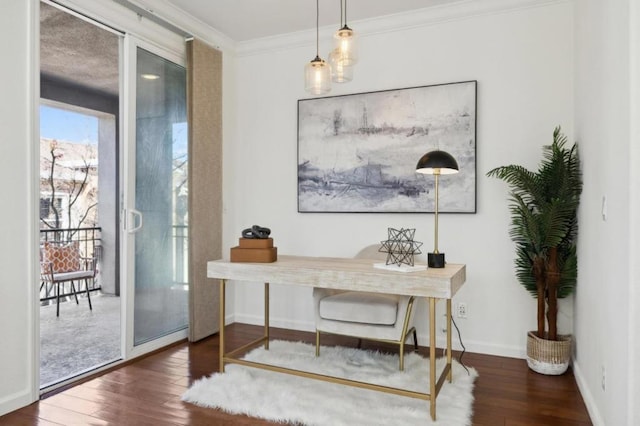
x,y
369,316
62,263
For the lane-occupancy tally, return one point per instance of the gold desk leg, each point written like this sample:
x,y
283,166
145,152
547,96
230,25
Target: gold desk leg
x,y
222,317
266,315
432,357
450,373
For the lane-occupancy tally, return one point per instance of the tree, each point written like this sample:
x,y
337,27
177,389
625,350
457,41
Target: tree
x,y
544,226
75,186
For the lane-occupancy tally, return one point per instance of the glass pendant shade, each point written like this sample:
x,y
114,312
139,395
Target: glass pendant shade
x,y
339,73
345,42
317,77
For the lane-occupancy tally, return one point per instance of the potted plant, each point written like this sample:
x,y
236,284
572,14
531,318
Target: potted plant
x,y
544,227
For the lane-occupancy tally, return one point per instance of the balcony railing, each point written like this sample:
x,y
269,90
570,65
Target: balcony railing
x,y
180,254
89,240
90,246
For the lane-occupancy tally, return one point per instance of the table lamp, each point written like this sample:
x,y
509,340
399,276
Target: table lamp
x,y
436,163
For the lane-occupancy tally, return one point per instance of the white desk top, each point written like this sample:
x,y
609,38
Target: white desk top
x,y
344,273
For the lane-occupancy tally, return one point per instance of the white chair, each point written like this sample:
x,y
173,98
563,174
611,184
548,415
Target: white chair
x,y
370,316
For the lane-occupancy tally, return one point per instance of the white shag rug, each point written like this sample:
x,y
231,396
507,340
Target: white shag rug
x,y
296,400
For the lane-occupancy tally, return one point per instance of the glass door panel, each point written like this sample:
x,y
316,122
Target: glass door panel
x,y
160,260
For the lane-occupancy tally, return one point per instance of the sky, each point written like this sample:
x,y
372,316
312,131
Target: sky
x,y
60,124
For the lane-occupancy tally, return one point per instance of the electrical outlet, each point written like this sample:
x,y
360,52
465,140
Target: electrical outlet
x,y
604,379
461,310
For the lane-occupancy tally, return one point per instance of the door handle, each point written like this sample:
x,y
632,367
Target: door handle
x,y
133,214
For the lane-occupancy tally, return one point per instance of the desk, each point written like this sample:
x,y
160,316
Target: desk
x,y
345,274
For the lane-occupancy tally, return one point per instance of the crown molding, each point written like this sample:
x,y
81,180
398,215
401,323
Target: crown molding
x,y
457,10
461,9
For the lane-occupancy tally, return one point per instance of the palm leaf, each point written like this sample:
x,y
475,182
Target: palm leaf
x,y
568,273
524,272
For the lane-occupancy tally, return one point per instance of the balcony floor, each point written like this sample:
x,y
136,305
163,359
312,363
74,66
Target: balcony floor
x,y
79,339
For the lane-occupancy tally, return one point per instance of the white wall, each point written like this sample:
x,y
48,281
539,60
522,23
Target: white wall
x,y
17,281
523,62
603,129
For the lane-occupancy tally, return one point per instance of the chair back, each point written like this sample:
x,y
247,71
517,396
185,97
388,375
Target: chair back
x,y
63,257
371,252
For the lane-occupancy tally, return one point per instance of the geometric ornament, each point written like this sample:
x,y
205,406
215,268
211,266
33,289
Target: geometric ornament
x,y
400,246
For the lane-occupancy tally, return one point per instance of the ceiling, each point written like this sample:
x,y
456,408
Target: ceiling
x,y
78,53
243,20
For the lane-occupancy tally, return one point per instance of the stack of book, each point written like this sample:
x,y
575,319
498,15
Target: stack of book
x,y
258,250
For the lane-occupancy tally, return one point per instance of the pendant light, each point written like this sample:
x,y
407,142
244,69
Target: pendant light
x,y
340,73
317,73
345,41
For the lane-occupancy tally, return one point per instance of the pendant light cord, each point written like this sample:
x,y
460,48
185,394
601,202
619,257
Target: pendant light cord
x,y
317,28
345,13
341,14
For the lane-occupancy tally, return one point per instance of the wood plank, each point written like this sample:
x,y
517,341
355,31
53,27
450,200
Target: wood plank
x,y
19,418
58,414
147,391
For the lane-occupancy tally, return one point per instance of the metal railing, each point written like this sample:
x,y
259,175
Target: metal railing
x,y
89,241
180,254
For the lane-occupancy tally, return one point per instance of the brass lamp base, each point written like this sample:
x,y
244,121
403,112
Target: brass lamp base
x,y
435,260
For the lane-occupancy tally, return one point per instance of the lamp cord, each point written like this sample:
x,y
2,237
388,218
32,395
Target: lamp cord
x,y
461,344
341,16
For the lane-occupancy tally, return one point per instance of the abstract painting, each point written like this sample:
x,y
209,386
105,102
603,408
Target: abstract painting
x,y
358,153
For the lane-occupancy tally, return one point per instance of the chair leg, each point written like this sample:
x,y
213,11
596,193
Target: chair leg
x,y
75,294
43,284
86,284
317,343
359,343
57,299
415,339
402,356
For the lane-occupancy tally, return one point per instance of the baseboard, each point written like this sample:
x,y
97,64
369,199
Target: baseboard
x,y
587,396
15,401
479,347
275,322
471,346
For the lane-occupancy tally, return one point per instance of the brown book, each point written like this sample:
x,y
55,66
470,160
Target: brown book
x,y
257,255
256,243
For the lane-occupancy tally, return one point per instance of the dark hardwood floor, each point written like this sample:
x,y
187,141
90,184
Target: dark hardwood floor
x,y
147,391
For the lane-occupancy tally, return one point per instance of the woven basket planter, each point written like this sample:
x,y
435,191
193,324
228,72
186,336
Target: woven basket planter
x,y
550,357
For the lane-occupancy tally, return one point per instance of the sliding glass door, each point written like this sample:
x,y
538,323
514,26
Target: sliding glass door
x,y
156,197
